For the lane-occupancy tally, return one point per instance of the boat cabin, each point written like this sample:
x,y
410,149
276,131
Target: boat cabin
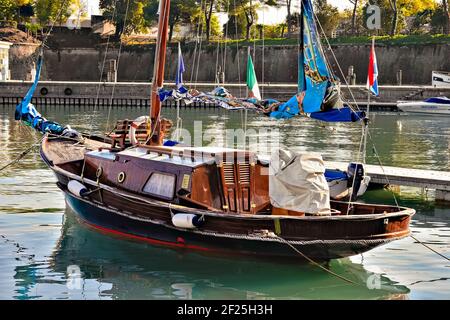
x,y
216,179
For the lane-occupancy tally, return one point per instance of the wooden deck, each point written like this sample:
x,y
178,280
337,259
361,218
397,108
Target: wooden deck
x,y
427,179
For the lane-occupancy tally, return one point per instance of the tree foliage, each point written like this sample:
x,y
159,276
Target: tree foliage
x,y
53,11
327,15
126,15
8,10
181,11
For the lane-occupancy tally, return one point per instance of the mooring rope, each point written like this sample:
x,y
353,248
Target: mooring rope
x,y
20,156
428,247
314,262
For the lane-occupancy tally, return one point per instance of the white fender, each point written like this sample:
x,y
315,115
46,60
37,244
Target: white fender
x,y
134,125
185,220
76,188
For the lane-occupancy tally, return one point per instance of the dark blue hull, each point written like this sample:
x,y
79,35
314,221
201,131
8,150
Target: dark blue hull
x,y
110,221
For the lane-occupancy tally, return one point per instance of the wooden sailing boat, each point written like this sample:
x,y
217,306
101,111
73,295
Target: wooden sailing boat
x,y
205,199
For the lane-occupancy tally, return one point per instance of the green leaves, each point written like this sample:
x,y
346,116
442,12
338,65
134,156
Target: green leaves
x,y
49,11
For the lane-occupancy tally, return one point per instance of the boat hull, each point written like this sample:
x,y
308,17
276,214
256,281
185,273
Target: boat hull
x,y
110,221
425,108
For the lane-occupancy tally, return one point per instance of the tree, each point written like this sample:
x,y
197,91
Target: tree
x,y
327,15
445,9
288,17
235,26
394,8
355,8
440,19
208,8
181,11
125,21
8,10
51,11
248,9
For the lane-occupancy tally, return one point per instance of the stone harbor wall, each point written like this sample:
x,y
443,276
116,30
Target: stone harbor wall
x,y
280,63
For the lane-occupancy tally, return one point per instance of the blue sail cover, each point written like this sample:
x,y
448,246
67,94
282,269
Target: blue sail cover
x,y
344,114
26,111
439,100
313,74
314,64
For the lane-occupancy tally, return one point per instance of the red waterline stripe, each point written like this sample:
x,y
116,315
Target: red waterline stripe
x,y
149,240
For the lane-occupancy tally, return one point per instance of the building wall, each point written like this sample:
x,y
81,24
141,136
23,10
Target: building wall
x,y
22,58
4,60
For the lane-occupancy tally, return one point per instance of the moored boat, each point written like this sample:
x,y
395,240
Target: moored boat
x,y
432,106
218,212
441,79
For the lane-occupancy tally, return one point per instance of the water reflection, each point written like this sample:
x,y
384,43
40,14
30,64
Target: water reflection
x,y
401,140
129,270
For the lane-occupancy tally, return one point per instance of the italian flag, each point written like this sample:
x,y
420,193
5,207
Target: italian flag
x,y
252,82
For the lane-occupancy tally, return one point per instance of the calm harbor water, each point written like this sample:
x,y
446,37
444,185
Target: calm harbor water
x,y
45,253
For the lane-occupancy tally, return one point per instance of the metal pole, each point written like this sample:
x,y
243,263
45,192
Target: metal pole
x,y
366,128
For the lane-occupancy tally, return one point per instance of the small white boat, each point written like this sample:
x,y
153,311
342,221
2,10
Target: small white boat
x,y
441,79
437,105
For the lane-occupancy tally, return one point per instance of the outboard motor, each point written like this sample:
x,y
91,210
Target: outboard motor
x,y
355,172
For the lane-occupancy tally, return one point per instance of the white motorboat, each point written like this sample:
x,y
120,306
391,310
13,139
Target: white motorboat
x,y
441,79
437,105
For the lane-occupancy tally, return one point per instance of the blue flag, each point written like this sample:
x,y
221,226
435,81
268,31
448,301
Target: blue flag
x,y
180,69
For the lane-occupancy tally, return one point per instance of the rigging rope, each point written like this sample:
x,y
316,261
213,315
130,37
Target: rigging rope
x,y
237,50
58,16
225,43
356,104
102,70
199,24
117,66
200,40
263,52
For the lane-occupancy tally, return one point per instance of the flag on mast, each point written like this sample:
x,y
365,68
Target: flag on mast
x,y
252,82
180,69
372,79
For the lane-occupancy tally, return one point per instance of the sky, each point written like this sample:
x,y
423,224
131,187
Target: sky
x,y
269,16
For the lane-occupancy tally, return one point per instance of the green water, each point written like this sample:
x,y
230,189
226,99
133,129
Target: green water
x,y
41,242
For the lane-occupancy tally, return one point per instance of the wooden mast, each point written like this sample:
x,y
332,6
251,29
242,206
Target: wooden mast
x,y
158,71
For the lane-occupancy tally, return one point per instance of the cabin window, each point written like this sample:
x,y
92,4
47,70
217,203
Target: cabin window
x,y
161,185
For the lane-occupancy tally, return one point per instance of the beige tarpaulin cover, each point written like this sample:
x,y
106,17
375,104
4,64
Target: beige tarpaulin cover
x,y
297,182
